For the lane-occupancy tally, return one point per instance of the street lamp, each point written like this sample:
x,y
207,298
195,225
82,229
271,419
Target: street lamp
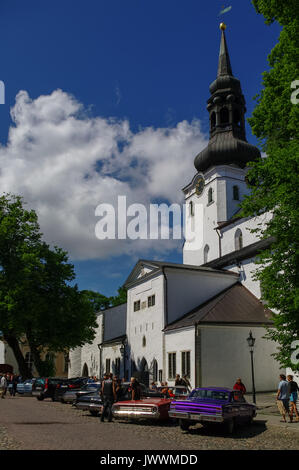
x,y
251,341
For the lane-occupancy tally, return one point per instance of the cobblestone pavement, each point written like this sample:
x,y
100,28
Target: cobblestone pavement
x,y
26,423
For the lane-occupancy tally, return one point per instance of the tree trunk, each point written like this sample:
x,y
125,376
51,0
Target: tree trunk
x,y
23,368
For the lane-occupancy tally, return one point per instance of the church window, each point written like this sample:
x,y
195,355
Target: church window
x,y
236,195
186,363
155,370
136,305
151,300
152,326
206,253
238,240
224,116
117,366
171,365
213,120
210,196
108,362
143,341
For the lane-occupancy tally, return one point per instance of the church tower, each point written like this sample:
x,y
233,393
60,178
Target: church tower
x,y
214,194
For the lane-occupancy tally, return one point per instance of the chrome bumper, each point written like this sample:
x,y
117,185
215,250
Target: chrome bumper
x,y
135,414
217,418
89,406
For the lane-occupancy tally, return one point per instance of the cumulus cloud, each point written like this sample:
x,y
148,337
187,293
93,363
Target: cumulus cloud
x,y
64,163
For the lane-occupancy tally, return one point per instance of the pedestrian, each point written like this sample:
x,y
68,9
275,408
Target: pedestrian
x,y
109,396
178,380
240,386
282,397
3,385
15,381
153,386
293,391
118,390
135,387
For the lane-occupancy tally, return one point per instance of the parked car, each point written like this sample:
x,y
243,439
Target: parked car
x,y
73,394
25,388
45,387
177,392
67,385
213,405
93,401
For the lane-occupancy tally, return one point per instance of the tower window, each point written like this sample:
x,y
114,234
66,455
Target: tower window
x,y
191,208
210,196
206,253
238,240
224,116
136,305
236,194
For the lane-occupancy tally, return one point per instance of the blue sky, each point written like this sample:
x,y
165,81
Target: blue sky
x,y
145,63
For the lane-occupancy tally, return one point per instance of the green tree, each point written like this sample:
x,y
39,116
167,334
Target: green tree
x,y
274,181
36,298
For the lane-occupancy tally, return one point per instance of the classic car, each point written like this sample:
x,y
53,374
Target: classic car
x,y
72,395
213,405
74,384
93,401
175,392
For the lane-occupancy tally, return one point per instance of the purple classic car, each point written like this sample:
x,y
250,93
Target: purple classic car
x,y
213,405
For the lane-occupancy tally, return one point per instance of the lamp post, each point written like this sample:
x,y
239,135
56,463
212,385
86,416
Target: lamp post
x,y
251,341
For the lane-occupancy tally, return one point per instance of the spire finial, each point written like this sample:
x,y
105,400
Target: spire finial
x,y
224,67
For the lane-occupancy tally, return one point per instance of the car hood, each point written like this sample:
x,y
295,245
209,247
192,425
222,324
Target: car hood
x,y
200,402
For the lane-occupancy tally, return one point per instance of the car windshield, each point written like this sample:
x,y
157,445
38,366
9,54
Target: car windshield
x,y
210,394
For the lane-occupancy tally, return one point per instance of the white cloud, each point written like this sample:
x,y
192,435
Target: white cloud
x,y
64,163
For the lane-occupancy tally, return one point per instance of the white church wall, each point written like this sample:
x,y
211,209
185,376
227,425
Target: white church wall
x,y
87,354
112,353
246,270
177,341
147,322
2,352
225,357
189,289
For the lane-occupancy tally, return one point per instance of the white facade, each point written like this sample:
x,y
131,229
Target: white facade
x,y
178,342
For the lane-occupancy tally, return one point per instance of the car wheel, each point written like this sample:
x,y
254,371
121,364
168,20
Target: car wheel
x,y
230,426
184,425
94,412
40,398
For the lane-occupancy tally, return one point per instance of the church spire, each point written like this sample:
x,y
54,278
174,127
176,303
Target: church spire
x,y
227,108
224,66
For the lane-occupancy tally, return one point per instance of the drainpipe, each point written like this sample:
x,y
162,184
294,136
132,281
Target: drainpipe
x,y
219,238
165,323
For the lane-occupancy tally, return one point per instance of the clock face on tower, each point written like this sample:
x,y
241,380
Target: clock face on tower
x,y
200,184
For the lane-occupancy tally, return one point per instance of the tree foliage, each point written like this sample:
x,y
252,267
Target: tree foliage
x,y
36,298
274,181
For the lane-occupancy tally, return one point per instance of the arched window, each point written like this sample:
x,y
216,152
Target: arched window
x,y
210,196
191,208
238,240
155,371
213,120
143,341
206,253
236,195
224,116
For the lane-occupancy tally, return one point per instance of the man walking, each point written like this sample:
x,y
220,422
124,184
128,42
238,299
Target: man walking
x,y
3,385
283,396
109,396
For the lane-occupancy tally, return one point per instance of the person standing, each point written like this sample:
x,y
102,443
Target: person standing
x,y
293,391
3,385
282,397
135,387
240,386
187,383
178,380
109,396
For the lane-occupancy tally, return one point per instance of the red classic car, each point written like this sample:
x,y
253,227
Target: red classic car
x,y
155,407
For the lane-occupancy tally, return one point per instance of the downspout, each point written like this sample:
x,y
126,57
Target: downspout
x,y
219,238
165,323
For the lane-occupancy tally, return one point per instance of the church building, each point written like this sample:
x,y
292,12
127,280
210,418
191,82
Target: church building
x,y
194,318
